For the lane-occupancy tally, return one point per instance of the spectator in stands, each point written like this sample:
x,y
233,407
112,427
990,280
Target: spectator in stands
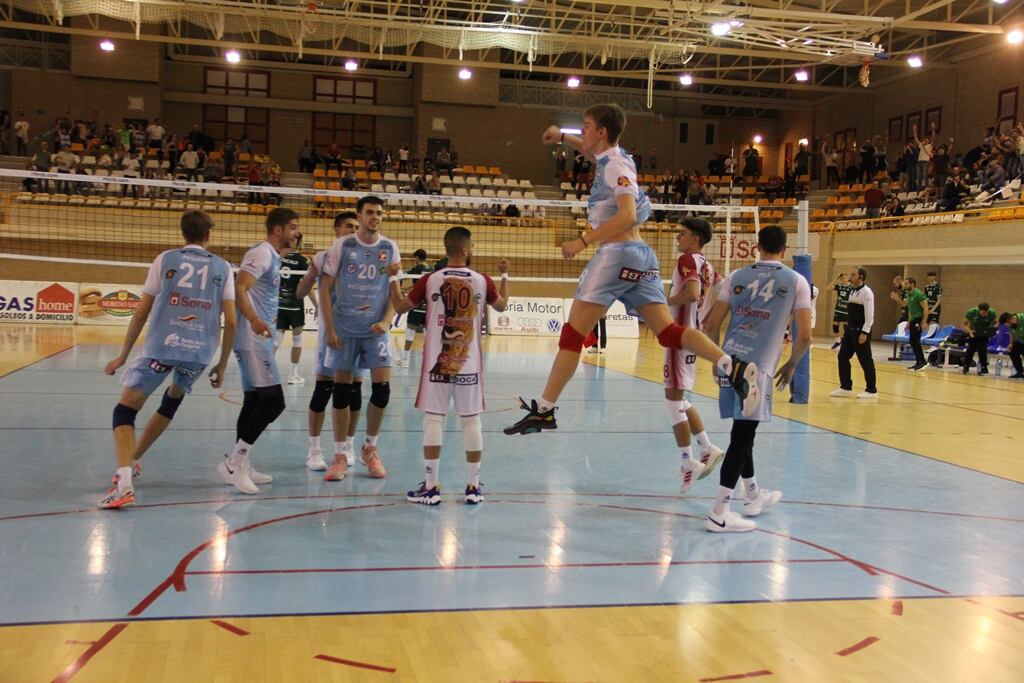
x,y
751,161
666,187
195,137
881,158
403,158
953,193
271,177
1016,323
348,181
5,131
332,156
376,161
230,152
155,139
130,166
67,162
802,160
924,158
172,152
307,160
830,160
867,162
789,181
729,165
419,185
910,154
105,160
138,139
255,177
455,155
244,144
414,160
775,186
428,163
893,207
992,178
680,186
433,184
189,162
979,323
21,128
40,161
710,193
213,172
560,165
940,163
444,162
873,200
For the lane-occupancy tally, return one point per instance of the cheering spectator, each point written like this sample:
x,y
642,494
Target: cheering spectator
x,y
953,193
830,158
940,163
189,162
924,158
403,158
801,160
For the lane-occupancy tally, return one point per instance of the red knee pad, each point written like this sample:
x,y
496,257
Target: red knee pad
x,y
672,336
570,339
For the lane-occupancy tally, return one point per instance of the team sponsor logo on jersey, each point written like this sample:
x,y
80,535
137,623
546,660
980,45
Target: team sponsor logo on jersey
x,y
218,280
176,341
737,290
382,256
463,380
631,275
623,181
748,312
188,322
169,275
351,268
184,301
158,367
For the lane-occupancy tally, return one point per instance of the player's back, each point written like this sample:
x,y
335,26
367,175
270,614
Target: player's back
x,y
456,300
762,298
361,282
185,321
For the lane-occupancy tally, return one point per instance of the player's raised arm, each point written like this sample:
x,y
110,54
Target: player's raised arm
x,y
131,336
553,135
501,303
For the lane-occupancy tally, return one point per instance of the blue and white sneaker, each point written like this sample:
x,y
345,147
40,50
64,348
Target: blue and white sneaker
x,y
474,494
425,496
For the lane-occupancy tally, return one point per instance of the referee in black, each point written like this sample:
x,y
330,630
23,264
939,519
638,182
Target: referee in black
x,y
860,311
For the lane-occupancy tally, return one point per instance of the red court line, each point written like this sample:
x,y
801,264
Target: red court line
x,y
93,650
1012,615
237,630
79,642
734,677
897,608
857,647
567,565
350,662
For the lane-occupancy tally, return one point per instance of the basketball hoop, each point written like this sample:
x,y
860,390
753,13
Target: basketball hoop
x,y
865,73
309,21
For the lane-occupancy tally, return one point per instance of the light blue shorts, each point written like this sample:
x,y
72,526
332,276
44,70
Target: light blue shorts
x,y
146,374
730,407
623,271
258,367
358,353
323,370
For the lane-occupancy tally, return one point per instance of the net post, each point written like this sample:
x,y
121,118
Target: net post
x,y
799,389
728,241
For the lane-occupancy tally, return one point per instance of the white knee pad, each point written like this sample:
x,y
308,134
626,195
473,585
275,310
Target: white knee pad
x,y
433,426
472,433
297,336
676,411
410,334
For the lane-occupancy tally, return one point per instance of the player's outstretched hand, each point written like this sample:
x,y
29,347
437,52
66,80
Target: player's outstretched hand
x,y
503,266
552,134
260,328
380,327
217,377
572,247
394,269
784,376
113,365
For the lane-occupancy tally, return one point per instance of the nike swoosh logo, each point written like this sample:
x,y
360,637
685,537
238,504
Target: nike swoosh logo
x,y
721,525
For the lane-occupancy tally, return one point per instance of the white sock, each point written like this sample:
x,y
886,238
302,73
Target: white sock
x,y
473,473
430,468
722,501
314,443
371,440
124,478
686,452
751,486
341,446
295,369
544,405
239,453
703,442
724,365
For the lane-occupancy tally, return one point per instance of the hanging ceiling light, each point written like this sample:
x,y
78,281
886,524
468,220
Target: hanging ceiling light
x,y
465,74
107,45
686,79
232,56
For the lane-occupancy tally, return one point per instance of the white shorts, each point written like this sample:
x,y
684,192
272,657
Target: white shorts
x,y
466,390
680,369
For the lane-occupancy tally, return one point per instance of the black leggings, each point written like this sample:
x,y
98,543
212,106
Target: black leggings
x,y
601,332
739,458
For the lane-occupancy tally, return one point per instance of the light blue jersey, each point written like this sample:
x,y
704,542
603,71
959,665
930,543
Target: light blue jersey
x,y
361,293
614,176
762,298
263,263
188,287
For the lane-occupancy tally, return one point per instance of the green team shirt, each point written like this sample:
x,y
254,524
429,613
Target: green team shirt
x,y
842,298
290,263
981,325
1019,332
420,269
933,292
914,309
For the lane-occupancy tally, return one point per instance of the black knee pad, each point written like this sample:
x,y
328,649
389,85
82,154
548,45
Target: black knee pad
x,y
342,395
169,406
355,403
380,393
271,403
124,416
321,395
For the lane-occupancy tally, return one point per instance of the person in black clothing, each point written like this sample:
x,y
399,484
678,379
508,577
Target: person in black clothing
x,y
600,336
953,193
801,160
867,162
860,317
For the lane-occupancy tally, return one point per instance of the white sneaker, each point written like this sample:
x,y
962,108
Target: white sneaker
x,y
315,461
237,477
765,498
689,472
842,393
729,522
350,455
710,460
258,477
295,379
868,394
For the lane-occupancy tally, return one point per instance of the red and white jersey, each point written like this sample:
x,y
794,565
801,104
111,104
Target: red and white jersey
x,y
691,267
456,299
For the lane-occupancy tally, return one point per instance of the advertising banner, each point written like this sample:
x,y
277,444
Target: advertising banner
x,y
100,304
38,302
528,316
619,324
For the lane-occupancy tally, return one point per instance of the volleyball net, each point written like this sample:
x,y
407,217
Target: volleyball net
x,y
114,220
